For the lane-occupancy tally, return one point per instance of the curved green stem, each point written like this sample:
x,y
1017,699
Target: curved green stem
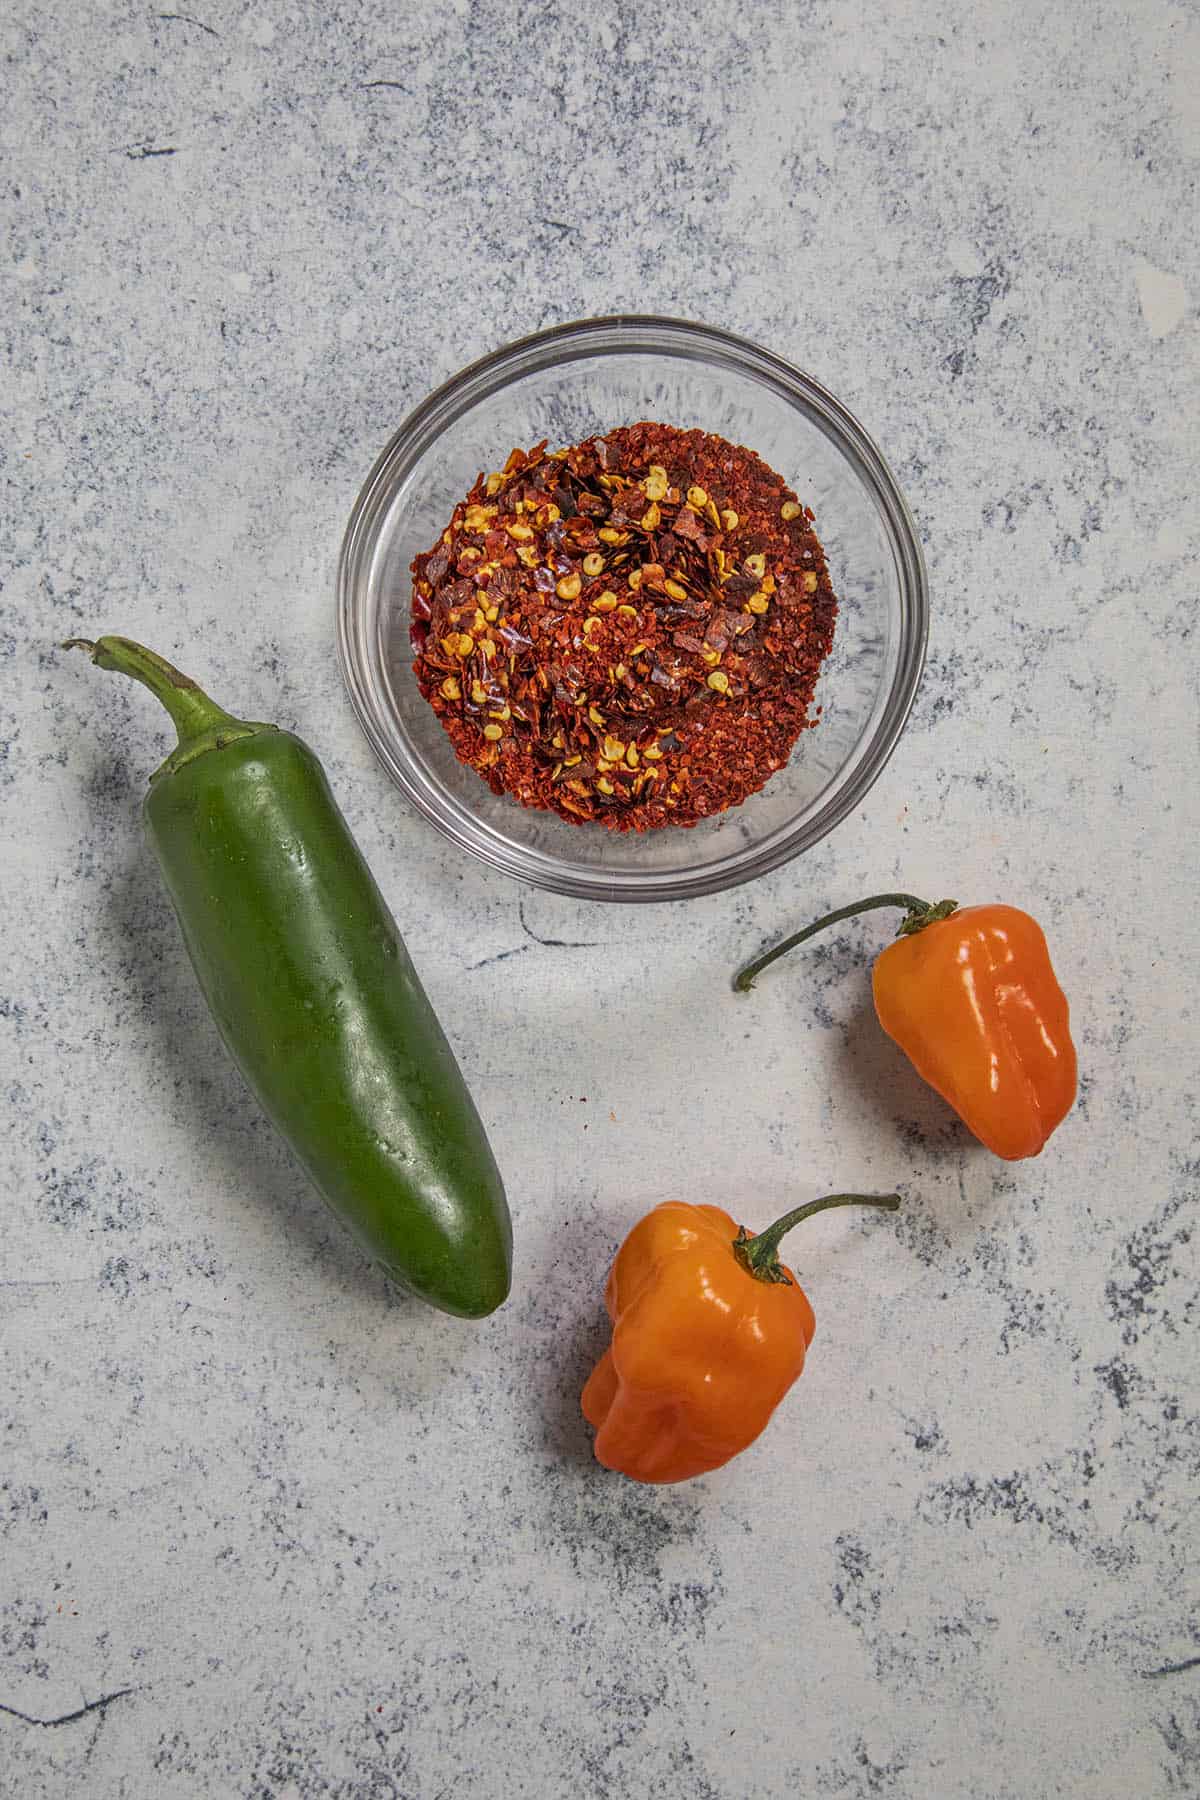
x,y
917,914
202,724
759,1256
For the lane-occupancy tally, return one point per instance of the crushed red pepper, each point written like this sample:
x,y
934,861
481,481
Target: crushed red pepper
x,y
629,630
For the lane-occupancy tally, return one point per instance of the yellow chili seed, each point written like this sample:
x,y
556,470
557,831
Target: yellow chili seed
x,y
605,602
570,761
756,565
710,656
504,713
478,692
698,498
719,681
634,579
593,563
675,590
656,483
595,715
627,612
522,533
757,603
614,748
729,520
605,786
494,483
620,672
568,588
790,510
631,755
608,535
652,753
493,733
451,688
491,614
810,581
651,518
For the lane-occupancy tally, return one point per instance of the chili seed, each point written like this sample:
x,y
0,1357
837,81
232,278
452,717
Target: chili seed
x,y
729,520
568,588
493,733
676,591
451,688
756,565
697,498
593,563
605,602
656,483
790,510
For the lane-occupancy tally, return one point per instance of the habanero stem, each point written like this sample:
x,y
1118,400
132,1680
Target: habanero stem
x,y
759,1256
917,915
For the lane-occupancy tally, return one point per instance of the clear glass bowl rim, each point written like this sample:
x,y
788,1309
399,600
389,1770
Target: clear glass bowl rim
x,y
633,334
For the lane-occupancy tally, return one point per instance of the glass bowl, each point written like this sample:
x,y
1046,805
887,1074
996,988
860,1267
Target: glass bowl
x,y
563,385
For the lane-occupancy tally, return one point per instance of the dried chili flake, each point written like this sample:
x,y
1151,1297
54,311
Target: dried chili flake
x,y
627,631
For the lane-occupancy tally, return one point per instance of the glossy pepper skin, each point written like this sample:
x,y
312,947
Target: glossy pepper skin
x,y
971,997
315,997
703,1348
973,1002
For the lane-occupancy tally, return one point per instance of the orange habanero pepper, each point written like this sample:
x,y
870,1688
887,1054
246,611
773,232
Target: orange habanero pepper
x,y
709,1333
972,1000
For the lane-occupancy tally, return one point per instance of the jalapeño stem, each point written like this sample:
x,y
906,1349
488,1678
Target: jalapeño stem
x,y
917,914
202,724
760,1255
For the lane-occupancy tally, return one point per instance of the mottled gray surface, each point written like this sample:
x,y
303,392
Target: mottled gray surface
x,y
267,1530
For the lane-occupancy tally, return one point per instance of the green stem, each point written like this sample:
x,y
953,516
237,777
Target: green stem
x,y
202,724
759,1256
917,914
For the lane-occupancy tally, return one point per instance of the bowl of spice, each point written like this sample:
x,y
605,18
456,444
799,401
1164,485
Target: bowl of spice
x,y
632,610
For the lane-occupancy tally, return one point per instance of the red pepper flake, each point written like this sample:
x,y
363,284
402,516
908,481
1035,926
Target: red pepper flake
x,y
628,631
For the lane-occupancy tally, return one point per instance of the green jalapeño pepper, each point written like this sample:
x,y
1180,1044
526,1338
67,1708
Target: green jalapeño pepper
x,y
315,996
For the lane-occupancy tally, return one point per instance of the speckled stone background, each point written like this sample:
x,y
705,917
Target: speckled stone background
x,y
269,1530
